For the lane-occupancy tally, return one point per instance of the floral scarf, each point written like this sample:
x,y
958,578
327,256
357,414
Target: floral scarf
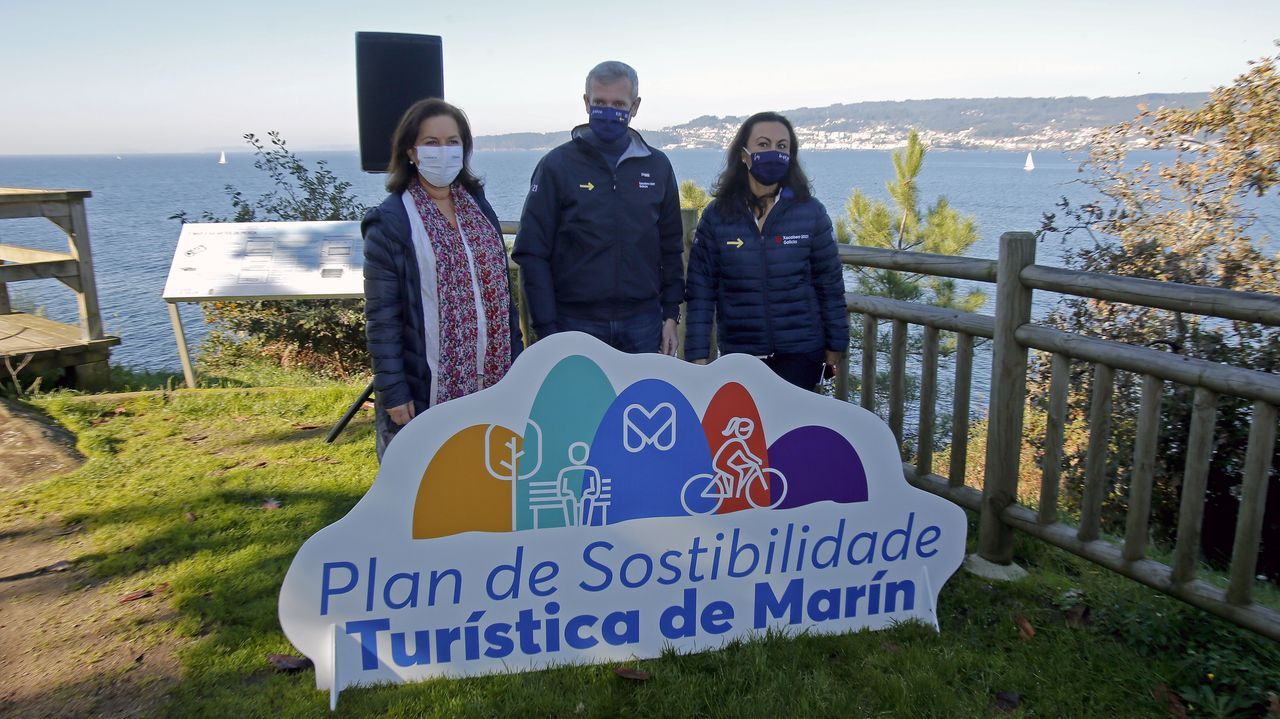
x,y
471,274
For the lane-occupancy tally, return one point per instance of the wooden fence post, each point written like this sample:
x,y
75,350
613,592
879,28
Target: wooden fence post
x,y
87,293
4,297
1008,397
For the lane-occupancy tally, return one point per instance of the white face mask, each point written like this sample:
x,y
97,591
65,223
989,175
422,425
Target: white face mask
x,y
439,165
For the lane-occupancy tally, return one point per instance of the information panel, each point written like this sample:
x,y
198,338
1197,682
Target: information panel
x,y
266,260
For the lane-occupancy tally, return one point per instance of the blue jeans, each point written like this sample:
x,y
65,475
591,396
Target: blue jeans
x,y
636,334
802,370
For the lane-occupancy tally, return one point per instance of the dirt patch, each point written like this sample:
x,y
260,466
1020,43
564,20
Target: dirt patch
x,y
68,648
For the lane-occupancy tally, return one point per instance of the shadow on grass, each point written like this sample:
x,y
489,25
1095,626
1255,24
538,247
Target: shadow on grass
x,y
294,436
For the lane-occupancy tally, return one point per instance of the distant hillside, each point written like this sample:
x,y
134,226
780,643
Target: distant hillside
x,y
1002,122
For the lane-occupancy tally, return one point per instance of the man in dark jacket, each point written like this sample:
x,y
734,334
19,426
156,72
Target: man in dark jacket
x,y
600,247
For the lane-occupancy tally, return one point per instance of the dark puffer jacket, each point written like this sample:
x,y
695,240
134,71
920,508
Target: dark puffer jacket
x,y
780,290
599,242
393,305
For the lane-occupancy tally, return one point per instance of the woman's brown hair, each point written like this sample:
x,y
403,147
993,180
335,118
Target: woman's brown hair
x,y
401,172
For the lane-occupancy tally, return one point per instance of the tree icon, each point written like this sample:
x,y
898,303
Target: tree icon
x,y
505,457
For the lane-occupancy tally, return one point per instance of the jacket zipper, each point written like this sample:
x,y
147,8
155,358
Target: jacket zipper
x,y
764,263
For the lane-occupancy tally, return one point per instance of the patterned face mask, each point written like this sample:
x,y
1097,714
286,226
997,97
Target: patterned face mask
x,y
609,124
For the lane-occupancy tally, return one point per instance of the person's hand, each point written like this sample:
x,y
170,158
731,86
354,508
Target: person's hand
x,y
834,358
700,361
402,413
669,342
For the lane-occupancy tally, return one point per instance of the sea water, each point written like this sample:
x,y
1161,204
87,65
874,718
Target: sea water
x,y
134,196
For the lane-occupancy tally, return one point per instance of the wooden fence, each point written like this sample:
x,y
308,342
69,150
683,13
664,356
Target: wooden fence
x,y
1013,335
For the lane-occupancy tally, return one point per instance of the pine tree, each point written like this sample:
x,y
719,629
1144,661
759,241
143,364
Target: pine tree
x,y
902,226
693,197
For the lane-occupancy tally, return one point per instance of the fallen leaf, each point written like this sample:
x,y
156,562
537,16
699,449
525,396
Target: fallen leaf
x,y
1008,701
1170,700
162,587
138,659
189,516
1025,630
196,438
304,427
1078,616
61,566
119,410
632,674
263,463
271,504
288,662
135,596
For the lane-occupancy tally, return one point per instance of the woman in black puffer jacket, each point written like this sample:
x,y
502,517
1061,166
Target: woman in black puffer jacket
x,y
440,319
764,264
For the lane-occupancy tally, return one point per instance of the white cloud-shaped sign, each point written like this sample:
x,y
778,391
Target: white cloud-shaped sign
x,y
597,506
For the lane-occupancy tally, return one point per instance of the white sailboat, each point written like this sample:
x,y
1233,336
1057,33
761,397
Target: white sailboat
x,y
1030,164
222,158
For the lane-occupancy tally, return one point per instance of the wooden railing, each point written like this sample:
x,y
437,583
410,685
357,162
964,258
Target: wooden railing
x,y
73,268
1013,336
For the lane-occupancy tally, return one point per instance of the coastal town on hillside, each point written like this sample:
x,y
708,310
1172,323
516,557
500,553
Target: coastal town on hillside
x,y
1002,123
885,137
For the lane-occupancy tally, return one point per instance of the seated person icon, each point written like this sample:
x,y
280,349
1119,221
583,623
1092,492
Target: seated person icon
x,y
592,501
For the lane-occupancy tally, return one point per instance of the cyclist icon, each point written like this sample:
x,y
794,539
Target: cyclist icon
x,y
737,468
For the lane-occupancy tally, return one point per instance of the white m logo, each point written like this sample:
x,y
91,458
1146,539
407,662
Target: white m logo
x,y
660,423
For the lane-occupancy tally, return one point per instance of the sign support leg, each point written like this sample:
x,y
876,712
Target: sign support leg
x,y
187,370
351,412
334,689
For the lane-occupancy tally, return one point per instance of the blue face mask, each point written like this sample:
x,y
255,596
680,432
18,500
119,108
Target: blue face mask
x,y
770,166
609,124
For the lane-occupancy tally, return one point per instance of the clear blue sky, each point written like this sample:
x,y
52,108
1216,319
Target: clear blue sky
x,y
139,75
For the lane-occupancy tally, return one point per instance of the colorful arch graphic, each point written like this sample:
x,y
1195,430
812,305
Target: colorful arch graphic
x,y
593,455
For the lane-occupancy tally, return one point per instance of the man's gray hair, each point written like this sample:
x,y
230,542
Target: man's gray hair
x,y
611,71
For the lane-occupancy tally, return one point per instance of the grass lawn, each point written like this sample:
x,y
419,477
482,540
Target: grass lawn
x,y
173,494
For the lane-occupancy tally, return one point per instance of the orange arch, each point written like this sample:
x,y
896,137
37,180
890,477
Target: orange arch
x,y
458,493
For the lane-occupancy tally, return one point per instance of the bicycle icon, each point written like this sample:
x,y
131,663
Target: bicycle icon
x,y
737,471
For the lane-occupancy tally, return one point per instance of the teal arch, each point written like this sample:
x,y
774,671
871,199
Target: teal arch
x,y
568,408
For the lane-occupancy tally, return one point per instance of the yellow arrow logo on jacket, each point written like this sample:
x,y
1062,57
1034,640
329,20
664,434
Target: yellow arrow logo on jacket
x,y
735,243
587,186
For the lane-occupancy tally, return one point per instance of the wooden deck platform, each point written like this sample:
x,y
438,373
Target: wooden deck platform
x,y
37,343
52,345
